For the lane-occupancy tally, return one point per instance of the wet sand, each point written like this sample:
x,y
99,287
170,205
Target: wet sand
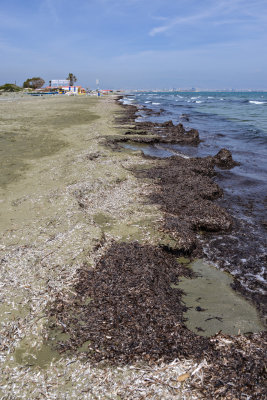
x,y
63,203
214,306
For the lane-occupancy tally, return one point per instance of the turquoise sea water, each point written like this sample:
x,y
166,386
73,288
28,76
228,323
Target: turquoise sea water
x,y
245,111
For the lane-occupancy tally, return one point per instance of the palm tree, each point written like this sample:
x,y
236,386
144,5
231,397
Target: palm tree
x,y
72,78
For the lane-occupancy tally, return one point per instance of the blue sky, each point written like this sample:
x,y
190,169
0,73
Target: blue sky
x,y
136,43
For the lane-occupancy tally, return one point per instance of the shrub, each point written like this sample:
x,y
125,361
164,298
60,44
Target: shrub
x,y
10,87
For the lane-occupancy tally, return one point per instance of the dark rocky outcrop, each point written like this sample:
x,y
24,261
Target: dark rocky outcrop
x,y
149,111
184,117
224,160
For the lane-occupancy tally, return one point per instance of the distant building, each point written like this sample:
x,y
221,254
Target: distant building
x,y
72,89
62,86
106,91
55,83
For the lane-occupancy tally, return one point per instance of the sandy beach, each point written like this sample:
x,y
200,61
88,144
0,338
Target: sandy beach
x,y
46,235
72,198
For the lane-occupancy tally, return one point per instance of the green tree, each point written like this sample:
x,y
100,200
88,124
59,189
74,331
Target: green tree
x,y
34,83
72,78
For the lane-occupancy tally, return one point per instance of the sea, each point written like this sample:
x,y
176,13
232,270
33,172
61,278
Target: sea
x,y
236,121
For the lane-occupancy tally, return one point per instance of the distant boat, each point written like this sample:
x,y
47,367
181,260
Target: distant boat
x,y
42,93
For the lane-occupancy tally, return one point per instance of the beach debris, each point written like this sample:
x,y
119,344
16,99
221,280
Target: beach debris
x,y
93,156
236,368
183,377
218,319
198,308
199,329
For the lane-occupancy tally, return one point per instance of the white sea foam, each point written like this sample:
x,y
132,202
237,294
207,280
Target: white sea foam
x,y
182,155
127,100
259,276
147,102
199,101
156,104
257,102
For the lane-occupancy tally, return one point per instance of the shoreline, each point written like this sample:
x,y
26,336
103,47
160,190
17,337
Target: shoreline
x,y
222,123
206,215
93,198
148,137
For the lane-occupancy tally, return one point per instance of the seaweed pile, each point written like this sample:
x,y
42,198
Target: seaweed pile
x,y
156,132
185,191
165,132
237,368
134,312
152,132
134,315
150,111
128,115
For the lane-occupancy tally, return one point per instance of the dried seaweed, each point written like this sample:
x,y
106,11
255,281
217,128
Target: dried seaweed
x,y
186,192
134,313
151,132
236,368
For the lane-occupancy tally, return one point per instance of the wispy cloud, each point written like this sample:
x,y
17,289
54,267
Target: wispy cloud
x,y
223,12
177,21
